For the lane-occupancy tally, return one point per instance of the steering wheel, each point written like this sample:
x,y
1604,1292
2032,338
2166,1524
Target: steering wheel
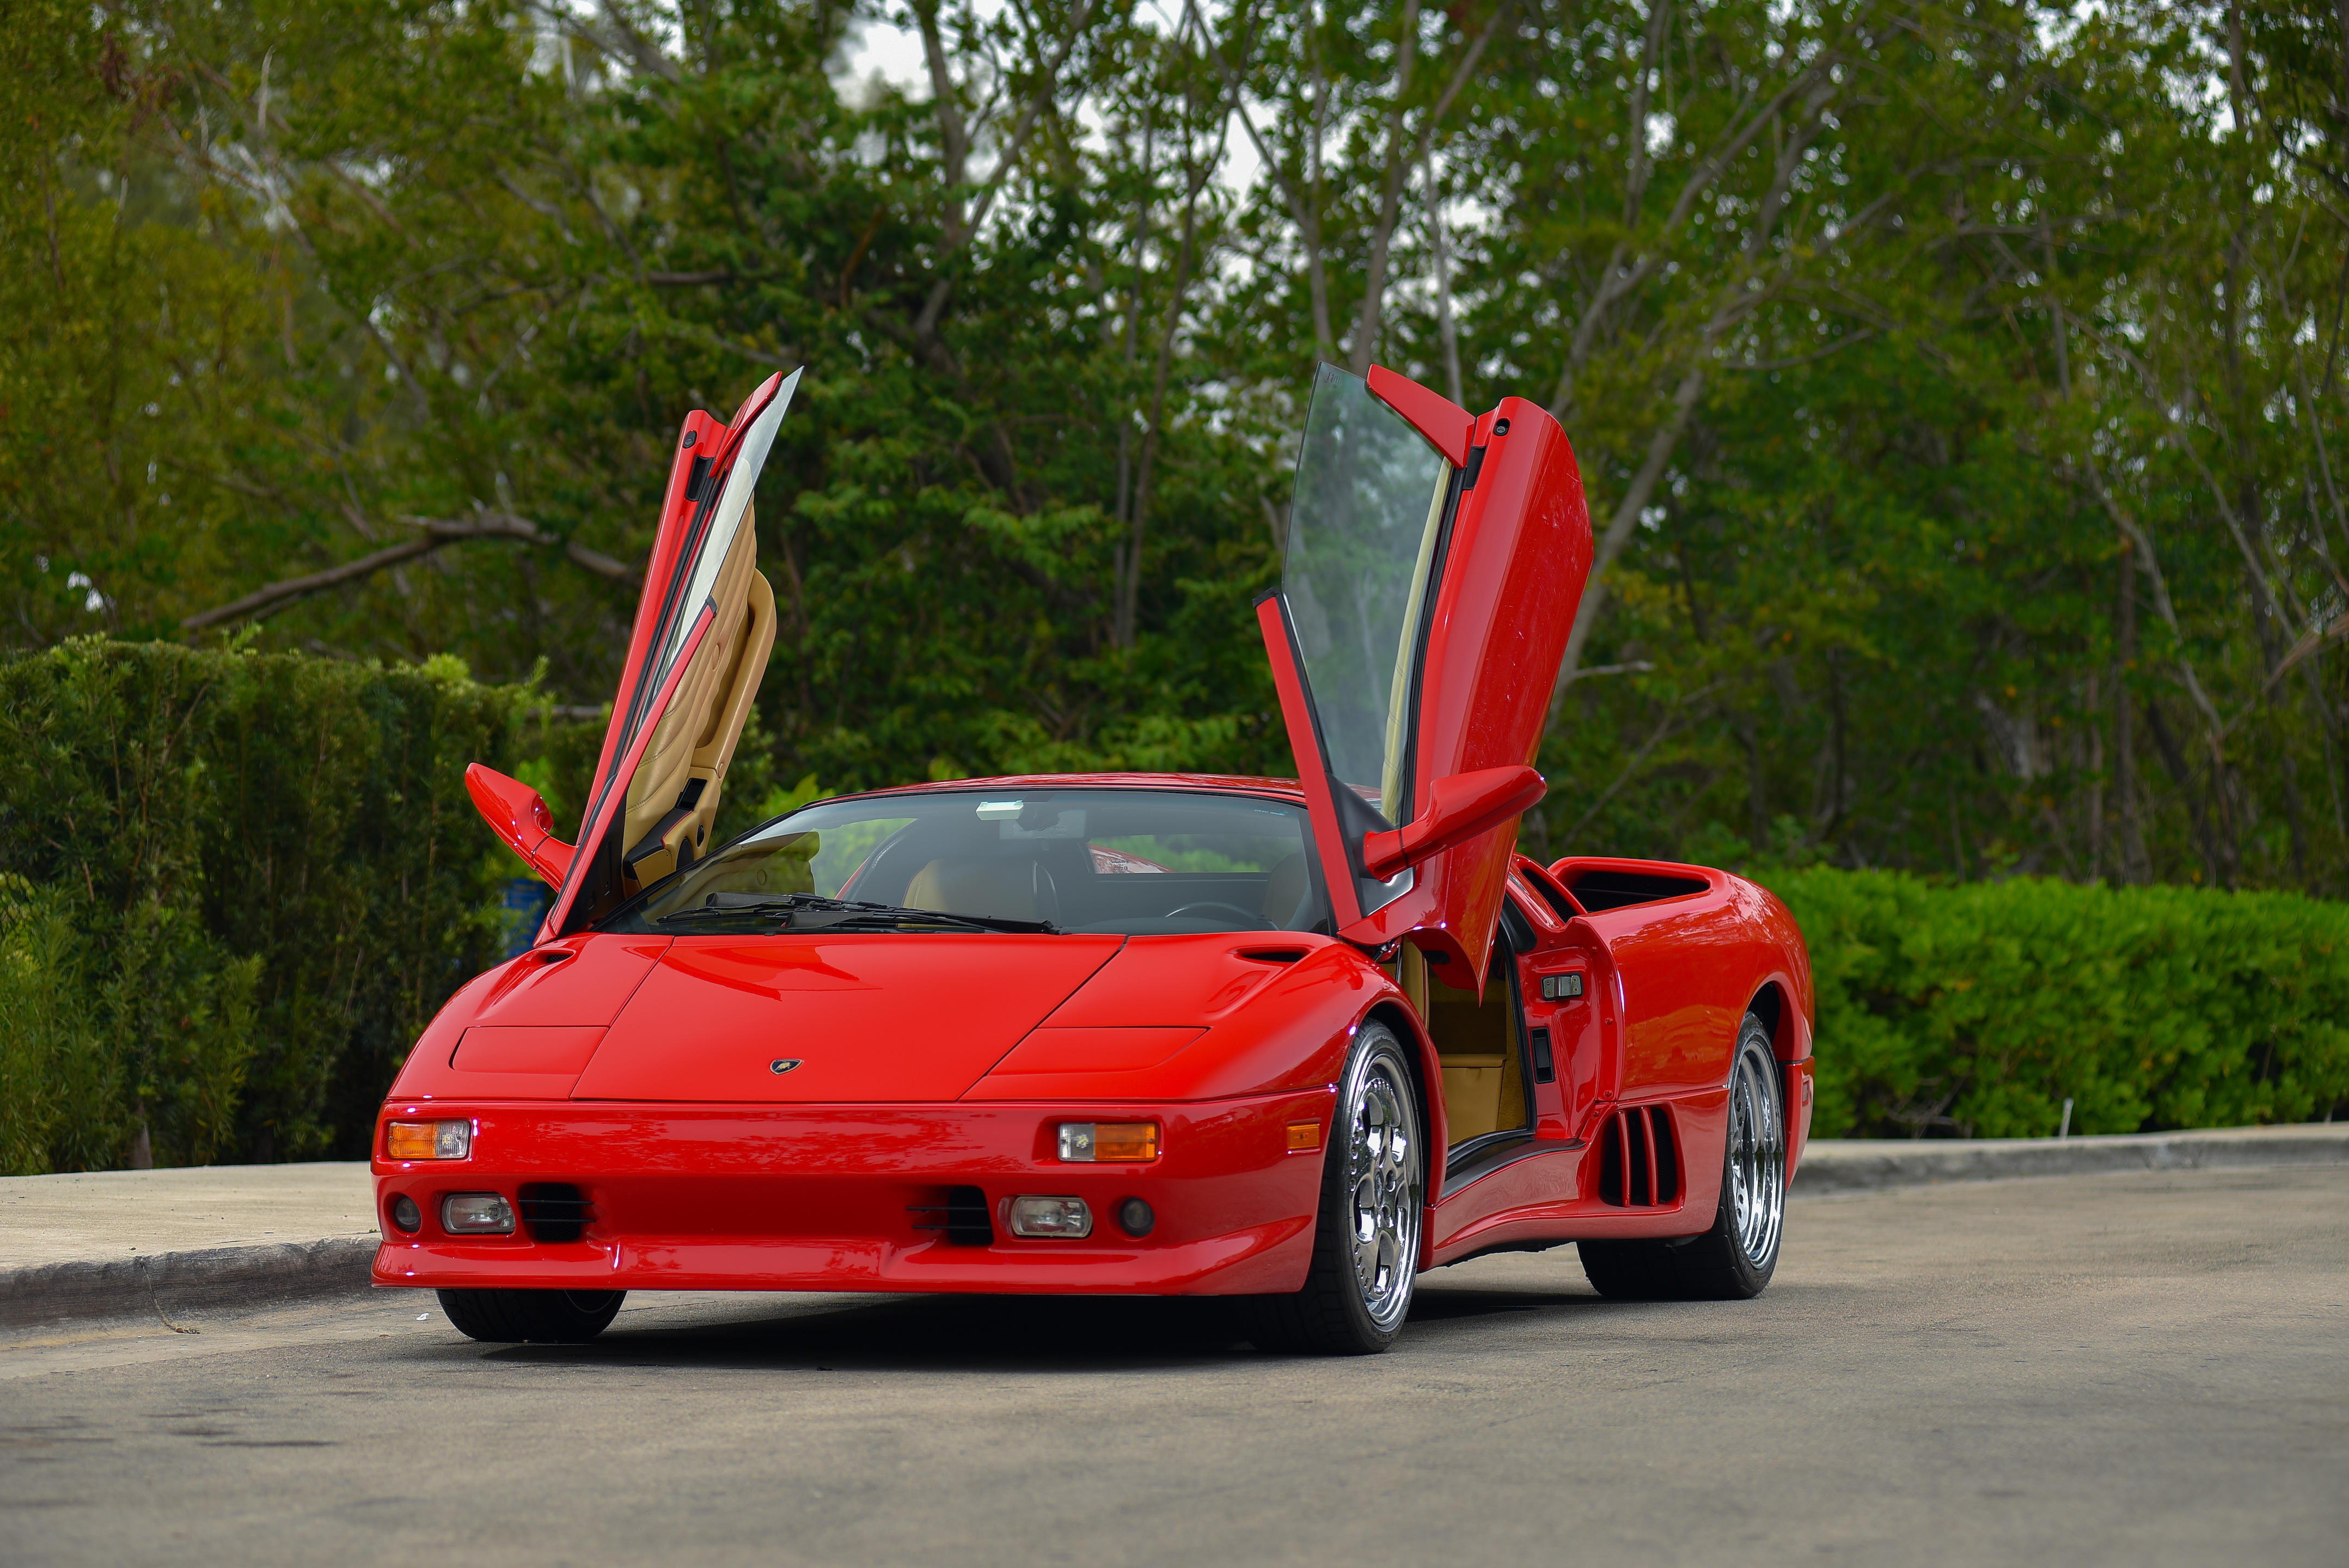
x,y
1255,921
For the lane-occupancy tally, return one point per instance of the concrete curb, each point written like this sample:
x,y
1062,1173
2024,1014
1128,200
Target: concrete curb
x,y
171,1286
1856,1165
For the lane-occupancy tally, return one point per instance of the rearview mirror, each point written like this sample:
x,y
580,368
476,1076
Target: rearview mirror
x,y
1460,808
518,817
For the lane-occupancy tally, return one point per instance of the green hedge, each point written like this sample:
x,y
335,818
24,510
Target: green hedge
x,y
232,888
1977,1010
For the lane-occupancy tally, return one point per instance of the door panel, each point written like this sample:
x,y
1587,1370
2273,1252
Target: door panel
x,y
704,628
672,798
1423,609
1515,562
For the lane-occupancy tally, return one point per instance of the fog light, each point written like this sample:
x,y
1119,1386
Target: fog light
x,y
476,1215
428,1140
404,1214
1134,1218
1109,1142
1066,1217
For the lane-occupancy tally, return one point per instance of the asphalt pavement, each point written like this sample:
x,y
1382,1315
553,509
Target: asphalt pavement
x,y
2145,1367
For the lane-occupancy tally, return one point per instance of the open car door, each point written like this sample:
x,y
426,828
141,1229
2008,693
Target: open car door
x,y
704,628
1431,573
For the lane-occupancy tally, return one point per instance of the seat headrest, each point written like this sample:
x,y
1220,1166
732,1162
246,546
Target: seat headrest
x,y
1005,888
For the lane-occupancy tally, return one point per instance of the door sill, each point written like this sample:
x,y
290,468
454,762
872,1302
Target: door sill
x,y
1474,1162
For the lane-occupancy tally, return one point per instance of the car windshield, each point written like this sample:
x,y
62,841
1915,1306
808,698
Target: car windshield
x,y
1137,861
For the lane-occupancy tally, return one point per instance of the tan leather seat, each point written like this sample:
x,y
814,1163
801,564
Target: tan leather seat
x,y
1007,889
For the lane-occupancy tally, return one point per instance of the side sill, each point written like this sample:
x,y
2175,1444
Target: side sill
x,y
1479,1162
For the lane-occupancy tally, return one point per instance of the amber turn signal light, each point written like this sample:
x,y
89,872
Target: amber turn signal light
x,y
1109,1143
428,1140
1304,1136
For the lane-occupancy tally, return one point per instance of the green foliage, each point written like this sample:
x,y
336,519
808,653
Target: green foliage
x,y
238,885
1977,1010
60,1085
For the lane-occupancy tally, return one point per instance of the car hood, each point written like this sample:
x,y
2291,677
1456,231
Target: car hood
x,y
856,1019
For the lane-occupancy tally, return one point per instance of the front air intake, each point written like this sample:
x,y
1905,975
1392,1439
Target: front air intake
x,y
556,1212
1639,1161
963,1217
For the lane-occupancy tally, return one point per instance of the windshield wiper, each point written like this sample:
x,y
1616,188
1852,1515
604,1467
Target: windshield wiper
x,y
846,914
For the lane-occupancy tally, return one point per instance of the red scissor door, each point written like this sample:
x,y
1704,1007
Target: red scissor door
x,y
1430,576
704,628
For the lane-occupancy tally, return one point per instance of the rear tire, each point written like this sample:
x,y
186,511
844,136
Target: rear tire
x,y
532,1317
1358,1288
1732,1261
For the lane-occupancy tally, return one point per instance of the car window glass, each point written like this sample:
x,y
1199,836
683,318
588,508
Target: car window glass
x,y
1136,862
1359,550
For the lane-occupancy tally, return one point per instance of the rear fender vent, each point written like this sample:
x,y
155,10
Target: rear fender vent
x,y
963,1217
1638,1159
555,1211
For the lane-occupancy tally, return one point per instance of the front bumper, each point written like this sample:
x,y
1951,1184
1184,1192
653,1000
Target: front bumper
x,y
843,1197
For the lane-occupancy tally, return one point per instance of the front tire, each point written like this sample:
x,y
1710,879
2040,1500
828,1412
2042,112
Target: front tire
x,y
532,1317
1358,1288
1732,1261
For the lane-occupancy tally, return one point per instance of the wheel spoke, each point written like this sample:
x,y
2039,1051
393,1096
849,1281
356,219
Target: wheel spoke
x,y
1381,1150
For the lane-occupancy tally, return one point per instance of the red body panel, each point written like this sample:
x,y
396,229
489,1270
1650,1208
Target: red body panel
x,y
939,1061
868,1018
1520,552
830,1198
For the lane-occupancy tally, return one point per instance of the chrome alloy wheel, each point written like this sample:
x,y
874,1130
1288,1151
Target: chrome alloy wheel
x,y
1382,1172
1757,1153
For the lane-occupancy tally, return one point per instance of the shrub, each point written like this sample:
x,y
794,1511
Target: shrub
x,y
1977,1010
237,887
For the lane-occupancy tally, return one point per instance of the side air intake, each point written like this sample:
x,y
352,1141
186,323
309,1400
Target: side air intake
x,y
963,1217
1638,1159
555,1211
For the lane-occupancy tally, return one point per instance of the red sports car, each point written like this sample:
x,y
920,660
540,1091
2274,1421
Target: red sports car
x,y
1288,1040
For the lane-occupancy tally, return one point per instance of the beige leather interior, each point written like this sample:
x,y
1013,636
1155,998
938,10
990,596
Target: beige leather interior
x,y
668,818
1006,889
1475,1044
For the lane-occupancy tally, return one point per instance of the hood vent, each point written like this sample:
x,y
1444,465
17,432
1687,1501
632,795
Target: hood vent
x,y
1638,1159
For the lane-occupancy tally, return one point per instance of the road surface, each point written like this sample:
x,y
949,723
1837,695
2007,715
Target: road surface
x,y
2129,1369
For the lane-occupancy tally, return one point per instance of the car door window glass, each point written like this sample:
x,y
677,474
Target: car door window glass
x,y
1361,551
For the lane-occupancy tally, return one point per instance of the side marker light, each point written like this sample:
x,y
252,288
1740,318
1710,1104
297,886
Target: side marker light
x,y
1109,1143
1063,1217
428,1140
476,1215
1304,1136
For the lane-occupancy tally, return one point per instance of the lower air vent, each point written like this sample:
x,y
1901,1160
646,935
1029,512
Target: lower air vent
x,y
555,1211
963,1217
1639,1162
